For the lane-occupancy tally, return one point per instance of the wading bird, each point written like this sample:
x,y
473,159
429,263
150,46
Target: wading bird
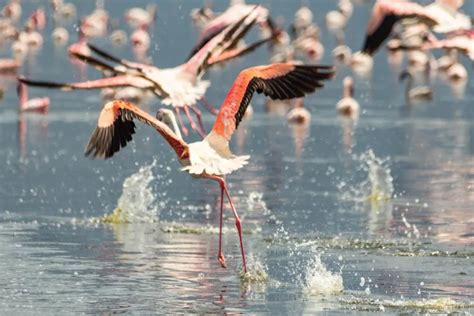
x,y
40,105
348,106
210,158
442,16
415,94
236,11
180,87
8,65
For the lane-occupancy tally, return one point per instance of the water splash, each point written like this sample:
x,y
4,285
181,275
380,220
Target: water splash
x,y
319,281
255,201
256,273
378,184
380,179
137,202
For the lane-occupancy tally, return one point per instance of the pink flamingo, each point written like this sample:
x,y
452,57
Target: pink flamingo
x,y
12,10
180,87
210,158
464,44
37,20
138,17
140,39
234,13
437,16
39,105
8,65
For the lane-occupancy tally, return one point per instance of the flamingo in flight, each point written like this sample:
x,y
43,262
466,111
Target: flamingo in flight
x,y
464,44
210,158
442,16
181,86
234,13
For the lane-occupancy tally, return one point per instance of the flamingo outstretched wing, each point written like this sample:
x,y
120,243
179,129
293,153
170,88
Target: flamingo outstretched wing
x,y
277,81
109,82
222,42
115,128
121,61
385,14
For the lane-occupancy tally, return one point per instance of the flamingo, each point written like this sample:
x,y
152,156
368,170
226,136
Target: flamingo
x,y
140,39
180,87
348,106
303,19
202,16
234,13
138,17
8,65
210,158
341,53
415,94
298,114
63,10
12,10
464,44
40,105
337,19
60,36
308,42
441,16
37,20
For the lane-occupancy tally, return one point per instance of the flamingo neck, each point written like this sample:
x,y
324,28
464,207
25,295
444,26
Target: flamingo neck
x,y
170,121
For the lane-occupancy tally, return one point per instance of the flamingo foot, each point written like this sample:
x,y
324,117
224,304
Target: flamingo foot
x,y
221,260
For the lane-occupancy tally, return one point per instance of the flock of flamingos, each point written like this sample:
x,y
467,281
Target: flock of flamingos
x,y
406,28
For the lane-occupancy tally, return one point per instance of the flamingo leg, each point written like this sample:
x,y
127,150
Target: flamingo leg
x,y
238,223
199,117
180,120
193,124
220,254
209,106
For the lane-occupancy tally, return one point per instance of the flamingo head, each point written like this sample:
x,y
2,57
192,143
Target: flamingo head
x,y
167,117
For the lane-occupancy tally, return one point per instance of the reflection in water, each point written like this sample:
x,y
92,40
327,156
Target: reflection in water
x,y
38,131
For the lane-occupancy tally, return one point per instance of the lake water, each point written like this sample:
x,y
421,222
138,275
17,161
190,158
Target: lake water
x,y
321,231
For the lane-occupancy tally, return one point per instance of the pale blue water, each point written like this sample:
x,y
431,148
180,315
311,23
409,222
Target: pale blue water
x,y
297,207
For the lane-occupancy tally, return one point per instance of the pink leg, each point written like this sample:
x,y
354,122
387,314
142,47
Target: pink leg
x,y
220,254
209,106
238,224
193,124
199,117
180,120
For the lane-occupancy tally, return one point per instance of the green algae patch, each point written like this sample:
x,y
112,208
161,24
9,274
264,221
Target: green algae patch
x,y
437,305
200,230
255,275
116,217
